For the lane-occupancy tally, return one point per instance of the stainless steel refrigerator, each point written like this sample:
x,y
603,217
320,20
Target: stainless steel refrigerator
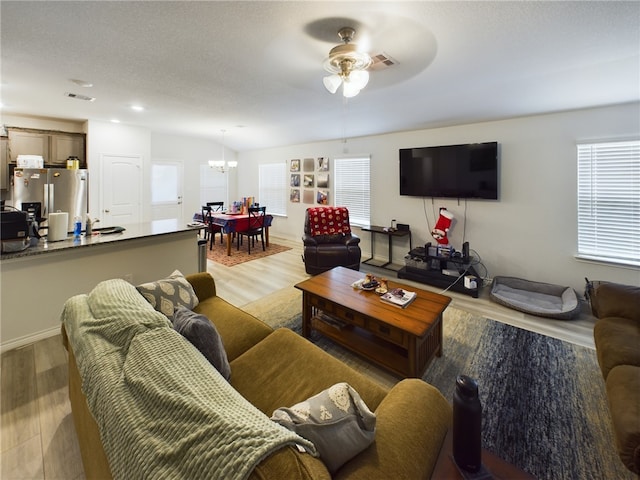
x,y
42,191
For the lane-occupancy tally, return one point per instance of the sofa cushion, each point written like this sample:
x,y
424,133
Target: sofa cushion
x,y
203,335
623,393
239,330
614,300
290,463
281,359
166,294
616,341
336,420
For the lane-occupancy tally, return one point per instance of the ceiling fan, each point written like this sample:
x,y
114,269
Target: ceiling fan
x,y
347,65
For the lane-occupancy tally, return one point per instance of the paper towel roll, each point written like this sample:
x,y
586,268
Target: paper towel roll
x,y
58,222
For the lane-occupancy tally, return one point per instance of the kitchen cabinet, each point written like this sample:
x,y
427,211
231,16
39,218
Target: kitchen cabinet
x,y
54,147
64,146
28,143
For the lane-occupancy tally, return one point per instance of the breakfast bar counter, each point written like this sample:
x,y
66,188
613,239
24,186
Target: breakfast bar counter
x,y
35,283
102,236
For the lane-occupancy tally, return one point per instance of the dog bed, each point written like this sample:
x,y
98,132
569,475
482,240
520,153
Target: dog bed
x,y
536,298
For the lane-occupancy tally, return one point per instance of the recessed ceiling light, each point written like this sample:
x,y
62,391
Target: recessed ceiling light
x,y
137,108
82,83
115,120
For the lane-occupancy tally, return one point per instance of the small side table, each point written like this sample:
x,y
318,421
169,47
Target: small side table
x,y
374,229
499,469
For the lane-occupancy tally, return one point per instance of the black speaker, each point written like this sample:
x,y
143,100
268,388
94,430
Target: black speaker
x,y
403,227
465,251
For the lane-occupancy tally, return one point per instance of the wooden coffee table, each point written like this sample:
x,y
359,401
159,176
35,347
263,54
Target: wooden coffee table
x,y
402,340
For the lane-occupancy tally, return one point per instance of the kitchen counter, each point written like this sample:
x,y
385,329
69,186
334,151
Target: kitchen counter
x,y
135,231
35,283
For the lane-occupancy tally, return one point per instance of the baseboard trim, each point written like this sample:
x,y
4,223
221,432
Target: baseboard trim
x,y
29,339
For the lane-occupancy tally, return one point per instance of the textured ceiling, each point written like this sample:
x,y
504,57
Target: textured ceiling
x,y
255,68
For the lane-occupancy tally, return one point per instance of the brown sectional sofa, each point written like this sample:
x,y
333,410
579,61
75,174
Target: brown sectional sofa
x,y
617,340
272,369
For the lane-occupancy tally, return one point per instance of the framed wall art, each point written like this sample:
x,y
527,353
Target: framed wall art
x,y
308,196
322,180
323,164
309,165
322,197
308,179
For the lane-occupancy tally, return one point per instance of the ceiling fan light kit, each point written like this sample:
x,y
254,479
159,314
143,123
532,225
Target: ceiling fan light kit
x,y
347,65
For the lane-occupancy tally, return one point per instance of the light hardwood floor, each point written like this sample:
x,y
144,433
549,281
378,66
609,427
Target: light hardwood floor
x,y
38,439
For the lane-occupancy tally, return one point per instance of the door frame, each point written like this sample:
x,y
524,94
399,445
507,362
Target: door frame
x,y
157,207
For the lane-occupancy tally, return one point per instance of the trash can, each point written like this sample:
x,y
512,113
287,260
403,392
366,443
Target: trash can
x,y
202,256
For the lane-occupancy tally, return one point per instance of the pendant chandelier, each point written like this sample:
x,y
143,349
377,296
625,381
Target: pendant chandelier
x,y
221,165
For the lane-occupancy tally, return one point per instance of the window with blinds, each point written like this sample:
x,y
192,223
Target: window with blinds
x,y
352,188
609,202
272,188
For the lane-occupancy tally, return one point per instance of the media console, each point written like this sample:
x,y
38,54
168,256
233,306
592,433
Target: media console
x,y
427,268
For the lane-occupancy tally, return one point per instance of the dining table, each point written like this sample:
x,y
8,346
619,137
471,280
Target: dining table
x,y
230,223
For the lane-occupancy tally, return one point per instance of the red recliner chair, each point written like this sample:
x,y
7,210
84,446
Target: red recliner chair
x,y
328,241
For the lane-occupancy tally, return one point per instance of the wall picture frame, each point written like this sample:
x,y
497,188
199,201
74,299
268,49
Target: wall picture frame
x,y
323,164
308,196
308,180
309,164
322,180
322,197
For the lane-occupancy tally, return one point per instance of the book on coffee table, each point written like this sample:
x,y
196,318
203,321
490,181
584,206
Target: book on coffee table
x,y
399,297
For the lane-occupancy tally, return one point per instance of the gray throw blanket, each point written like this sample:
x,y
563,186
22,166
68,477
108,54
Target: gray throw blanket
x,y
162,409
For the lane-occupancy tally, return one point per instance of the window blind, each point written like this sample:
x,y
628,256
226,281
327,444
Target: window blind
x,y
352,188
272,188
609,202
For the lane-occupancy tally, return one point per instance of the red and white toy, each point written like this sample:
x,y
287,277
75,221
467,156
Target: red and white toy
x,y
442,226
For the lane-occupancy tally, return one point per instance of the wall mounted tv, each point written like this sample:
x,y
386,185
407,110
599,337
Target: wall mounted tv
x,y
451,171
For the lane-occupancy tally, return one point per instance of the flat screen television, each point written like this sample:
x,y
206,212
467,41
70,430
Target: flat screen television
x,y
451,171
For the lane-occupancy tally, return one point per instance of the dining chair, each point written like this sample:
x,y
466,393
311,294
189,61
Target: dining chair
x,y
211,229
255,227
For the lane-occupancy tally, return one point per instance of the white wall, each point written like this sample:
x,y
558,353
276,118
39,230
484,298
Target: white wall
x,y
106,138
193,152
529,232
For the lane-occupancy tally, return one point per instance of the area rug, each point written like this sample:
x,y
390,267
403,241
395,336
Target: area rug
x,y
219,253
544,403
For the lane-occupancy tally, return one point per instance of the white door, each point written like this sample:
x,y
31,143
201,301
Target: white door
x,y
166,189
121,190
